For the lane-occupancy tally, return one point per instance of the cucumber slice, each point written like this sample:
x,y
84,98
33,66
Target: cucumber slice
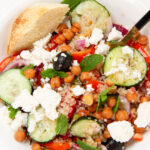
x,y
91,11
45,130
12,83
85,127
123,69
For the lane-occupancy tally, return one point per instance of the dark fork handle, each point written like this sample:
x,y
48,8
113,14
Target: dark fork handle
x,y
143,21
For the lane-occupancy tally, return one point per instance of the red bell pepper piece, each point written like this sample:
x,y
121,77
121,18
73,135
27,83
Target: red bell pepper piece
x,y
144,52
79,55
5,62
95,84
137,137
57,146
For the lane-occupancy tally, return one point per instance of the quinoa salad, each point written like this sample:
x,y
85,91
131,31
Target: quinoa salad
x,y
73,91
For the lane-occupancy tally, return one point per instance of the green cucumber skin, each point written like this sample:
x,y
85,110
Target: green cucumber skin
x,y
127,86
95,2
85,118
46,141
30,90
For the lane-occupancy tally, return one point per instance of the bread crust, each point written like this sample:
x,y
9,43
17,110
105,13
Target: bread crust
x,y
33,24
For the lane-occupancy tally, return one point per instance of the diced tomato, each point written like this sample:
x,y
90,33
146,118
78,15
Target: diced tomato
x,y
53,44
79,55
137,137
144,52
70,115
95,84
57,146
133,89
5,62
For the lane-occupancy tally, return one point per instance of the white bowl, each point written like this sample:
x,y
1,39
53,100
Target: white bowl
x,y
125,12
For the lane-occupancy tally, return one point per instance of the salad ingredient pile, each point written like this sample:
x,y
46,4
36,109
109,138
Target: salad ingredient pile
x,y
67,88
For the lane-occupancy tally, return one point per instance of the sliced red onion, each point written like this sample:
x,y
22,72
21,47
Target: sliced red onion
x,y
124,104
121,29
15,64
109,26
75,147
80,44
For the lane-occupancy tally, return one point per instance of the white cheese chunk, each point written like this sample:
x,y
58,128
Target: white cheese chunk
x,y
127,51
38,54
48,66
97,35
89,88
143,112
121,131
78,90
102,48
26,101
49,100
19,121
75,63
114,35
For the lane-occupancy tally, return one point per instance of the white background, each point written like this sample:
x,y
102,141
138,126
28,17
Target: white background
x,y
126,12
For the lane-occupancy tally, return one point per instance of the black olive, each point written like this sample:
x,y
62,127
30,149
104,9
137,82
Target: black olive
x,y
62,61
54,33
113,145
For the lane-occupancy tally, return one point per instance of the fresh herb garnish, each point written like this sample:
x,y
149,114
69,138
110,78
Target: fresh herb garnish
x,y
50,73
26,67
85,146
62,125
103,97
12,112
88,63
117,105
72,3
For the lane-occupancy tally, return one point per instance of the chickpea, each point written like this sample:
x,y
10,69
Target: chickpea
x,y
83,113
98,140
74,29
98,115
65,48
29,73
132,97
69,78
109,82
36,146
139,130
55,82
107,113
61,27
144,99
76,70
111,102
143,40
20,136
106,134
68,34
92,108
121,115
88,99
77,25
60,39
85,76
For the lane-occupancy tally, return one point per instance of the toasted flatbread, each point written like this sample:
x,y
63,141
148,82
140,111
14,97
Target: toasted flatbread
x,y
33,24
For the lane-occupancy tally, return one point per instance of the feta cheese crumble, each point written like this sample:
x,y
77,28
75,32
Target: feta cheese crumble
x,y
89,88
127,51
97,35
38,54
121,131
26,101
78,90
102,48
114,35
75,63
49,100
87,42
143,112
